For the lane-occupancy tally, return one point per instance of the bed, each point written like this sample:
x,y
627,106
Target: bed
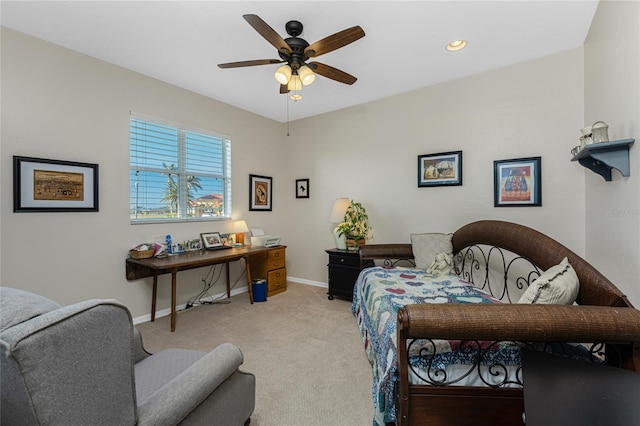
x,y
445,348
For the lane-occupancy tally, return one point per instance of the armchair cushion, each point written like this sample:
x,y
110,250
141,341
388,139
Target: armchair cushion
x,y
173,382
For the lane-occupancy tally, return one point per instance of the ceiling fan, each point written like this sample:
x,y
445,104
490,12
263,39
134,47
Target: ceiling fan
x,y
296,51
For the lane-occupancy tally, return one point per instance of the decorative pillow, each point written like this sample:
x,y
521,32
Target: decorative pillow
x,y
426,246
558,285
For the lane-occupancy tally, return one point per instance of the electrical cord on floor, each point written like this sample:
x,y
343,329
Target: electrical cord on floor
x,y
209,280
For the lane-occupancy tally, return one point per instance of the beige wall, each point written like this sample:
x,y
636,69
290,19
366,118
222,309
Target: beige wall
x,y
612,94
369,153
63,105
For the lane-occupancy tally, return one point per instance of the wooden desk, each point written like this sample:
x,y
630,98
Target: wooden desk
x,y
152,267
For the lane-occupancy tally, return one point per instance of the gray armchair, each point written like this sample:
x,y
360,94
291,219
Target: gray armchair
x,y
84,364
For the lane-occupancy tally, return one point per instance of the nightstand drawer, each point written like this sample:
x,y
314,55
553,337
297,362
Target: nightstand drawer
x,y
345,260
276,259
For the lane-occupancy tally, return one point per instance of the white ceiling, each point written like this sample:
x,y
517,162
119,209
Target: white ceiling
x,y
181,42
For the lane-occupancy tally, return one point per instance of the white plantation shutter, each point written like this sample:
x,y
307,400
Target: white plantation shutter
x,y
177,173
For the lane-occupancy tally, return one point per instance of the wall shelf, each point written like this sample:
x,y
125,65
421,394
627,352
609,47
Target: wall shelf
x,y
603,156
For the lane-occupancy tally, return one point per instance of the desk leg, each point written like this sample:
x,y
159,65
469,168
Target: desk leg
x,y
228,280
247,265
173,300
153,297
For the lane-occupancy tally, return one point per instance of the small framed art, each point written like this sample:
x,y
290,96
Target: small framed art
x,y
302,188
517,182
41,185
211,239
443,169
260,194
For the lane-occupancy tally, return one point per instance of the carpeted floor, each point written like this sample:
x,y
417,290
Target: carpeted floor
x,y
305,351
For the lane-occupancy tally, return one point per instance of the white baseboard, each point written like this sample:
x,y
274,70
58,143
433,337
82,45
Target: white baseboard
x,y
245,289
308,282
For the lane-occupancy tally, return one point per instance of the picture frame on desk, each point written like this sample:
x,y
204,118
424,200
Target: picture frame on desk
x,y
211,239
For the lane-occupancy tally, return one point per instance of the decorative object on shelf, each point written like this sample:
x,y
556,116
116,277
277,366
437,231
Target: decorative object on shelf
x,y
355,225
595,133
260,194
604,156
337,215
239,229
302,188
42,185
517,182
443,169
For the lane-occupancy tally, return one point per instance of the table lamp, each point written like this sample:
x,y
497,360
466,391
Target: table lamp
x,y
239,228
337,216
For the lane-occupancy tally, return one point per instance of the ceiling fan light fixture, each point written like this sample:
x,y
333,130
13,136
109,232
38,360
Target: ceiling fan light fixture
x,y
295,84
296,97
456,45
306,75
283,74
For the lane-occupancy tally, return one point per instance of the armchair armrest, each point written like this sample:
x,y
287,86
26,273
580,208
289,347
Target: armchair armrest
x,y
542,323
176,399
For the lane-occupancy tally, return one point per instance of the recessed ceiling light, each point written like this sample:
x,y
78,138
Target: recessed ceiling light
x,y
456,45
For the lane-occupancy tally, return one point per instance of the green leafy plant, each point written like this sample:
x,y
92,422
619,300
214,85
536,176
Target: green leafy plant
x,y
355,224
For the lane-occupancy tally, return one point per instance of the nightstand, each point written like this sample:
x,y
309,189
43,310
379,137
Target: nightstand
x,y
344,268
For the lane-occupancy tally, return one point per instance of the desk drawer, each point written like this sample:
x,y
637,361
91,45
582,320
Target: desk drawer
x,y
276,259
276,281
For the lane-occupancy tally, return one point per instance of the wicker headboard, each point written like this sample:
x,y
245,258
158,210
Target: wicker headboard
x,y
537,248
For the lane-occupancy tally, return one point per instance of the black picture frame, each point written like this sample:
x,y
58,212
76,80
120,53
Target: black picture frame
x,y
45,185
441,169
517,182
302,188
260,193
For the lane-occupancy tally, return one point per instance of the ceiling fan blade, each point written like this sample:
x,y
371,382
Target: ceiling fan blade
x,y
284,89
335,41
332,73
250,63
268,33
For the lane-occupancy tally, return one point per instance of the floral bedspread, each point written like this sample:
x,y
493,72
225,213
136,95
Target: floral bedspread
x,y
378,294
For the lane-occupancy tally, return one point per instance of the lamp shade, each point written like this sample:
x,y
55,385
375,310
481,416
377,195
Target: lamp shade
x,y
240,226
283,74
306,75
295,84
338,210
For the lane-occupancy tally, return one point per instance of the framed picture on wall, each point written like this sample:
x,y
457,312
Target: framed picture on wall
x,y
302,188
443,169
42,185
260,193
517,182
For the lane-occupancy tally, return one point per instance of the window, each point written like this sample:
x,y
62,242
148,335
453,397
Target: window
x,y
177,174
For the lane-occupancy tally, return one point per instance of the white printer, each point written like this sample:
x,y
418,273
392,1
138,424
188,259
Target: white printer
x,y
258,238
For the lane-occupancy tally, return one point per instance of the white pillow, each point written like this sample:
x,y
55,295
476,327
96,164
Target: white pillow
x,y
426,246
558,285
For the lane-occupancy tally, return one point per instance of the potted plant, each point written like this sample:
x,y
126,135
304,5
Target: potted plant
x,y
355,225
